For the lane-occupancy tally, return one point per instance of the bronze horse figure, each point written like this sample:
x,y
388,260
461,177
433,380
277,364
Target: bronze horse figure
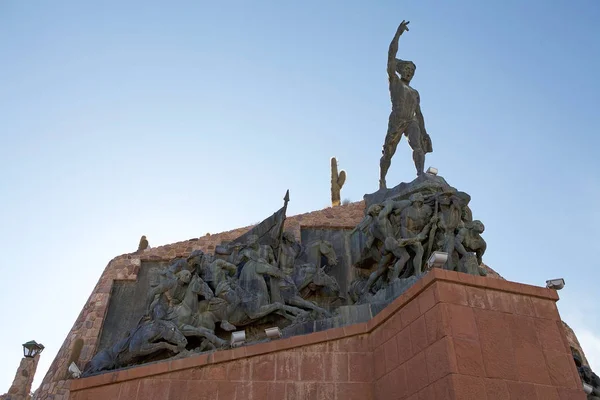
x,y
146,339
312,280
189,316
244,303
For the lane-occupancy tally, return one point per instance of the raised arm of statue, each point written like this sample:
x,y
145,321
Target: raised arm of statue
x,y
391,66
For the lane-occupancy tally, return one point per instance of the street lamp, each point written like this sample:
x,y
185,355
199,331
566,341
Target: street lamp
x,y
32,349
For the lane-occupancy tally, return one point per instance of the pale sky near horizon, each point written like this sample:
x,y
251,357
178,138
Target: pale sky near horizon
x,y
177,119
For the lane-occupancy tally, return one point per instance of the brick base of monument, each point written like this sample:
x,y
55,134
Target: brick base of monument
x,y
450,336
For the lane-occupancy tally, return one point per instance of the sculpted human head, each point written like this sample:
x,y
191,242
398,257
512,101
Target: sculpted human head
x,y
184,276
406,69
288,237
477,226
417,199
374,210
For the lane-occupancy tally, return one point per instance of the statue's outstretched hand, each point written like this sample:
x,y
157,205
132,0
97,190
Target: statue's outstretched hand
x,y
403,26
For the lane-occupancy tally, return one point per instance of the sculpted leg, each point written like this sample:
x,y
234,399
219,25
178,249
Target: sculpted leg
x,y
292,310
278,308
149,348
381,269
389,149
403,258
449,248
414,140
189,330
300,302
418,260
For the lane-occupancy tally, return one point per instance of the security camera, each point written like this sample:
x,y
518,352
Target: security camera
x,y
555,284
74,370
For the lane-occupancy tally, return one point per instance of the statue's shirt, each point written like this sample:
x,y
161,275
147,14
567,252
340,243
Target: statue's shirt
x,y
404,101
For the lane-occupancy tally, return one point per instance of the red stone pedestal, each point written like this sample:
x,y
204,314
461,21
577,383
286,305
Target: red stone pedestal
x,y
450,336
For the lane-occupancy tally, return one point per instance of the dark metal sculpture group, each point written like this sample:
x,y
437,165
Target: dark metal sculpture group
x,y
267,276
402,232
588,377
264,273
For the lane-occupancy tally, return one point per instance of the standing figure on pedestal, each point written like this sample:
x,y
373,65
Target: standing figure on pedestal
x,y
415,222
406,117
450,220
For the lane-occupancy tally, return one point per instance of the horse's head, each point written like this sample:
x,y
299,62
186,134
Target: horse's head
x,y
168,331
328,252
327,282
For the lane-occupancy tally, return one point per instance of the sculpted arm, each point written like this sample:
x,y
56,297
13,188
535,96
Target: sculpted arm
x,y
391,66
266,269
392,206
458,243
420,119
425,232
426,140
227,267
241,257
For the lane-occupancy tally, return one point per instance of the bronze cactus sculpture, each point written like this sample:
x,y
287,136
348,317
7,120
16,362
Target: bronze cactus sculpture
x,y
337,181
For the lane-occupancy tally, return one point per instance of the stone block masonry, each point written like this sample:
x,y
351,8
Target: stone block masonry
x,y
450,336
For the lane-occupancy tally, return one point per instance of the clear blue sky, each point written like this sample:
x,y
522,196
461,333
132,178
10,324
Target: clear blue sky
x,y
181,118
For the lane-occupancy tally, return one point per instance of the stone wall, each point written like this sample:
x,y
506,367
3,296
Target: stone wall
x,y
21,386
451,336
574,343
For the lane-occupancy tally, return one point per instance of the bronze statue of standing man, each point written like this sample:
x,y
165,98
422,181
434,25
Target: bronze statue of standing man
x,y
406,117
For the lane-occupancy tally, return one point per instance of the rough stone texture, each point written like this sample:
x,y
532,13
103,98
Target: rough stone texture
x,y
450,336
87,327
574,343
21,386
490,272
